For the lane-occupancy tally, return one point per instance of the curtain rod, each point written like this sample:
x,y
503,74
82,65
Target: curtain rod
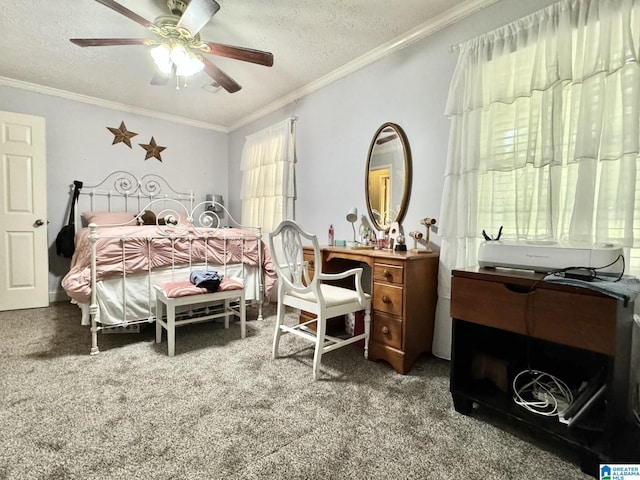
x,y
531,19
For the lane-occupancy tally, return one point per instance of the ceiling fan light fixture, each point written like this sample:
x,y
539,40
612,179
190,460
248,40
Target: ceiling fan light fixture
x,y
179,54
177,38
165,56
190,66
161,53
162,57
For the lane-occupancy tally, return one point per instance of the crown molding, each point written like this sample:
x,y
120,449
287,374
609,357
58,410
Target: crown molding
x,y
32,87
430,27
437,23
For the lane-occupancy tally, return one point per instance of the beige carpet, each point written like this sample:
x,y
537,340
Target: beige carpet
x,y
221,408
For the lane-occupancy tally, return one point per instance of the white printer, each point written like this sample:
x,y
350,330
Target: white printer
x,y
546,256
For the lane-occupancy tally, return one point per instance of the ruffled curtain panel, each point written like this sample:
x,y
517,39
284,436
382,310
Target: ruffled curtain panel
x,y
544,139
268,176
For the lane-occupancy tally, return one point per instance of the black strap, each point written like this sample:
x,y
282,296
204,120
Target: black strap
x,y
77,186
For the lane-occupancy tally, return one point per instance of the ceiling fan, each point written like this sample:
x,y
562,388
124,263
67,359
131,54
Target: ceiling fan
x,y
177,44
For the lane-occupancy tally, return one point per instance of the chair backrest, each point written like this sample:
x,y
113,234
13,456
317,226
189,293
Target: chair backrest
x,y
286,245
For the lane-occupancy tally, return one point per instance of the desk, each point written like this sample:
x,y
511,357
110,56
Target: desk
x,y
519,321
403,289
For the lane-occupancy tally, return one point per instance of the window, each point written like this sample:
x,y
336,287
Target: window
x,y
268,176
545,135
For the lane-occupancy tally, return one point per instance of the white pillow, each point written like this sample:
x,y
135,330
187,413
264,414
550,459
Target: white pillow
x,y
107,218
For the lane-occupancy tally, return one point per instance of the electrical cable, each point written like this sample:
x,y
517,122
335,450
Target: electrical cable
x,y
589,273
621,273
542,393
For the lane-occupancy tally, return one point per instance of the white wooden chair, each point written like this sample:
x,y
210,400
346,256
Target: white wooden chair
x,y
297,290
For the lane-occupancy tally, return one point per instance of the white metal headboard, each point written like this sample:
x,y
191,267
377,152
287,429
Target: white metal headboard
x,y
122,191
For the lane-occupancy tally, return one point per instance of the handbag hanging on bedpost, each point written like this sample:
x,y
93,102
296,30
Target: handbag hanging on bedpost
x,y
65,241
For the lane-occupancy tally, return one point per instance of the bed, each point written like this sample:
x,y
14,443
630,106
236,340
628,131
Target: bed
x,y
136,234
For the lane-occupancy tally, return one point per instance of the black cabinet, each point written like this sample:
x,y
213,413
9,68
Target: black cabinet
x,y
506,322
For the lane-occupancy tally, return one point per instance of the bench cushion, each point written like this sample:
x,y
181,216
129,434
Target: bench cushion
x,y
186,288
230,283
181,289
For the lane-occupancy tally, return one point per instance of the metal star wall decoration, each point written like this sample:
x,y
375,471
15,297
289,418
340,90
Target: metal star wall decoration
x,y
153,149
122,135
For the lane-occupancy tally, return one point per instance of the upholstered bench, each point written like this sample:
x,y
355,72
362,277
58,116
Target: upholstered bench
x,y
175,294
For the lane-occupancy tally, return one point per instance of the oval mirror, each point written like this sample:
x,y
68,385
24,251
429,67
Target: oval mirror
x,y
388,176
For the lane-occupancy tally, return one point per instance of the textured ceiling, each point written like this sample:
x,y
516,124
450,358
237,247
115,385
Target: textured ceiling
x,y
311,41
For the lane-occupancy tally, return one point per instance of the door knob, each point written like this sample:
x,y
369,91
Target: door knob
x,y
39,223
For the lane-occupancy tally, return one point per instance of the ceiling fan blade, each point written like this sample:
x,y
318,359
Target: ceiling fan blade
x,y
126,12
107,42
197,14
241,53
225,81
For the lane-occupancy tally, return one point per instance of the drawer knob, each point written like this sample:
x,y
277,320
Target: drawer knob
x,y
386,273
385,330
386,299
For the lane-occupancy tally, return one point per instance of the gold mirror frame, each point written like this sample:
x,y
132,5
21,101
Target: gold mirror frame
x,y
386,131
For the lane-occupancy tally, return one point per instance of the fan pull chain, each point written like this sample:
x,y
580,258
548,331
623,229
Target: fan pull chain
x,y
184,85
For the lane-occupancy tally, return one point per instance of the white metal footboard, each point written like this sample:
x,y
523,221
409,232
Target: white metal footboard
x,y
197,230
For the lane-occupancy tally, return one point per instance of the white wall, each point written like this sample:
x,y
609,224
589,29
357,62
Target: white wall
x,y
336,124
79,147
334,132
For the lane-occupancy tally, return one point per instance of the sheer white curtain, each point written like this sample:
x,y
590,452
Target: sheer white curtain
x,y
544,137
268,176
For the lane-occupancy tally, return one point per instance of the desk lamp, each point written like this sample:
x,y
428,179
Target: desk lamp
x,y
352,217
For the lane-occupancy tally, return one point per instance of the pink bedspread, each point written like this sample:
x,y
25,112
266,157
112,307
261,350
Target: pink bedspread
x,y
145,248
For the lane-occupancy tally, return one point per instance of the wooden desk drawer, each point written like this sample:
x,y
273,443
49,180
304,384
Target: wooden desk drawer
x,y
570,318
387,299
308,257
383,272
386,330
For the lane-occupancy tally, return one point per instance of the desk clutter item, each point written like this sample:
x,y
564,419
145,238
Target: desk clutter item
x,y
400,246
429,224
395,232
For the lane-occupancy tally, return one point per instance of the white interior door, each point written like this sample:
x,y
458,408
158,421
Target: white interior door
x,y
24,260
